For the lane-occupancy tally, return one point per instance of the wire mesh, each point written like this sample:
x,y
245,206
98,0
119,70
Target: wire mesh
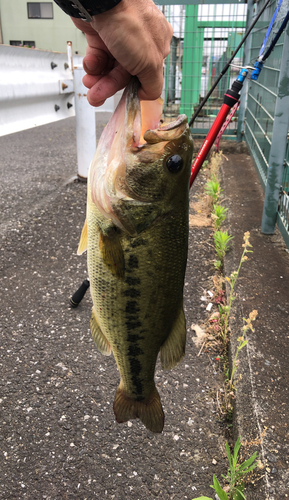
x,y
205,37
261,112
262,94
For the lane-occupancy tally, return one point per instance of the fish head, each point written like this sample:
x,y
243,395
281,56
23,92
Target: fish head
x,y
140,160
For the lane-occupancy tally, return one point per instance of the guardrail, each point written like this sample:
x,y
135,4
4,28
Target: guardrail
x,y
39,87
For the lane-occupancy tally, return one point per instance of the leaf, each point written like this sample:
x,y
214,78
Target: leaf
x,y
238,495
248,462
217,487
202,498
229,454
237,448
200,334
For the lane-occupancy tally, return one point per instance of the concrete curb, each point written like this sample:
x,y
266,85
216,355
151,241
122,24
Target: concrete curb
x,y
261,405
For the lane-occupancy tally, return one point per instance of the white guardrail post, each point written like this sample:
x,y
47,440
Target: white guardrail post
x,y
85,124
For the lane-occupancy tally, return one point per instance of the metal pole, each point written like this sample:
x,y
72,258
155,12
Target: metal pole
x,y
246,60
278,145
85,124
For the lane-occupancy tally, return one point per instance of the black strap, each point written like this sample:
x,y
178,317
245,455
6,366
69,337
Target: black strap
x,y
84,9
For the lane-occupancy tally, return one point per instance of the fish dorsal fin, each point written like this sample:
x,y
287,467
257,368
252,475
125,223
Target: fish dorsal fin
x,y
173,349
112,254
99,338
82,246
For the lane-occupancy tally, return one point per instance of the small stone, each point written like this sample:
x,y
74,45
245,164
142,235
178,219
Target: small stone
x,y
214,462
273,471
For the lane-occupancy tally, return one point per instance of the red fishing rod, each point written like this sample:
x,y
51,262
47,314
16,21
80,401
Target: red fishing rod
x,y
231,97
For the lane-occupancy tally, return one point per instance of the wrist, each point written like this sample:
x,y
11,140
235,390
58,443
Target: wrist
x,y
126,12
86,9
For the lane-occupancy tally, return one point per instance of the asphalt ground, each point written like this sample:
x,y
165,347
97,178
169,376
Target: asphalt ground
x,y
59,438
58,435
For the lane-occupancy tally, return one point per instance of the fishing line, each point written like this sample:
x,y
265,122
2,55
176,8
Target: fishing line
x,y
270,28
274,31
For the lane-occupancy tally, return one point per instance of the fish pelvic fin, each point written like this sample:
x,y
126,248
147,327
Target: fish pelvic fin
x,y
112,254
99,338
82,246
173,349
150,411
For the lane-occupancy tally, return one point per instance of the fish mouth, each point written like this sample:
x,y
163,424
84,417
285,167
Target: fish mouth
x,y
144,119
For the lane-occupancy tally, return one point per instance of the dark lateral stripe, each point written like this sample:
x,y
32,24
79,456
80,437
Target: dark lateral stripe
x,y
132,325
132,281
131,292
134,350
134,337
133,262
132,307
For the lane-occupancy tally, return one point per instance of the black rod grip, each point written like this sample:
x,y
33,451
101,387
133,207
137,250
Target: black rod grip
x,y
79,294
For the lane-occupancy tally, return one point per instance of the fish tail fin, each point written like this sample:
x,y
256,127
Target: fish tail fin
x,y
150,411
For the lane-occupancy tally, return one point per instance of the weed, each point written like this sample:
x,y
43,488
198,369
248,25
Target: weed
x,y
213,190
234,490
228,393
219,215
225,310
222,240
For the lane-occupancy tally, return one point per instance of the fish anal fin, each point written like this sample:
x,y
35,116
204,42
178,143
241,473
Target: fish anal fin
x,y
82,246
173,349
99,338
112,254
150,411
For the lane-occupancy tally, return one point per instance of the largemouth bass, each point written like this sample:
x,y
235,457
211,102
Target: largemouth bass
x,y
136,236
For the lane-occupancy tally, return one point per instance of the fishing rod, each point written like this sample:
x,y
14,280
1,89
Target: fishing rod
x,y
225,69
231,98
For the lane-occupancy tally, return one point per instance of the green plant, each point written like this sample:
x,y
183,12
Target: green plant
x,y
222,240
229,387
225,310
219,215
236,474
213,190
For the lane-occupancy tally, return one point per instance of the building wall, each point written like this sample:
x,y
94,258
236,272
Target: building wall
x,y
48,34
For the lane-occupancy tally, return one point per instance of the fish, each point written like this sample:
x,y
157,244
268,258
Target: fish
x,y
136,237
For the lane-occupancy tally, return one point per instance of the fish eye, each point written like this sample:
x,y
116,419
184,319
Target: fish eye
x,y
174,163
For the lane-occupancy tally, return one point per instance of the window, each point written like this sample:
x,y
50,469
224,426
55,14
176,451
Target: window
x,y
29,43
40,10
15,42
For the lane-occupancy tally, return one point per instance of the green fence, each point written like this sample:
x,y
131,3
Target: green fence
x,y
205,37
267,121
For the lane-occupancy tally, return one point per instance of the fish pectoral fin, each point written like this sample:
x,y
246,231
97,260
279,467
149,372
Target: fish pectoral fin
x,y
99,338
82,246
150,411
173,349
112,254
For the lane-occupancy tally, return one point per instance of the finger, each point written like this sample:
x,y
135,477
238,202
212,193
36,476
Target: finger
x,y
90,80
151,85
108,85
95,64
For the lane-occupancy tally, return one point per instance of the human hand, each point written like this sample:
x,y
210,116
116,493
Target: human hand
x,y
133,38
